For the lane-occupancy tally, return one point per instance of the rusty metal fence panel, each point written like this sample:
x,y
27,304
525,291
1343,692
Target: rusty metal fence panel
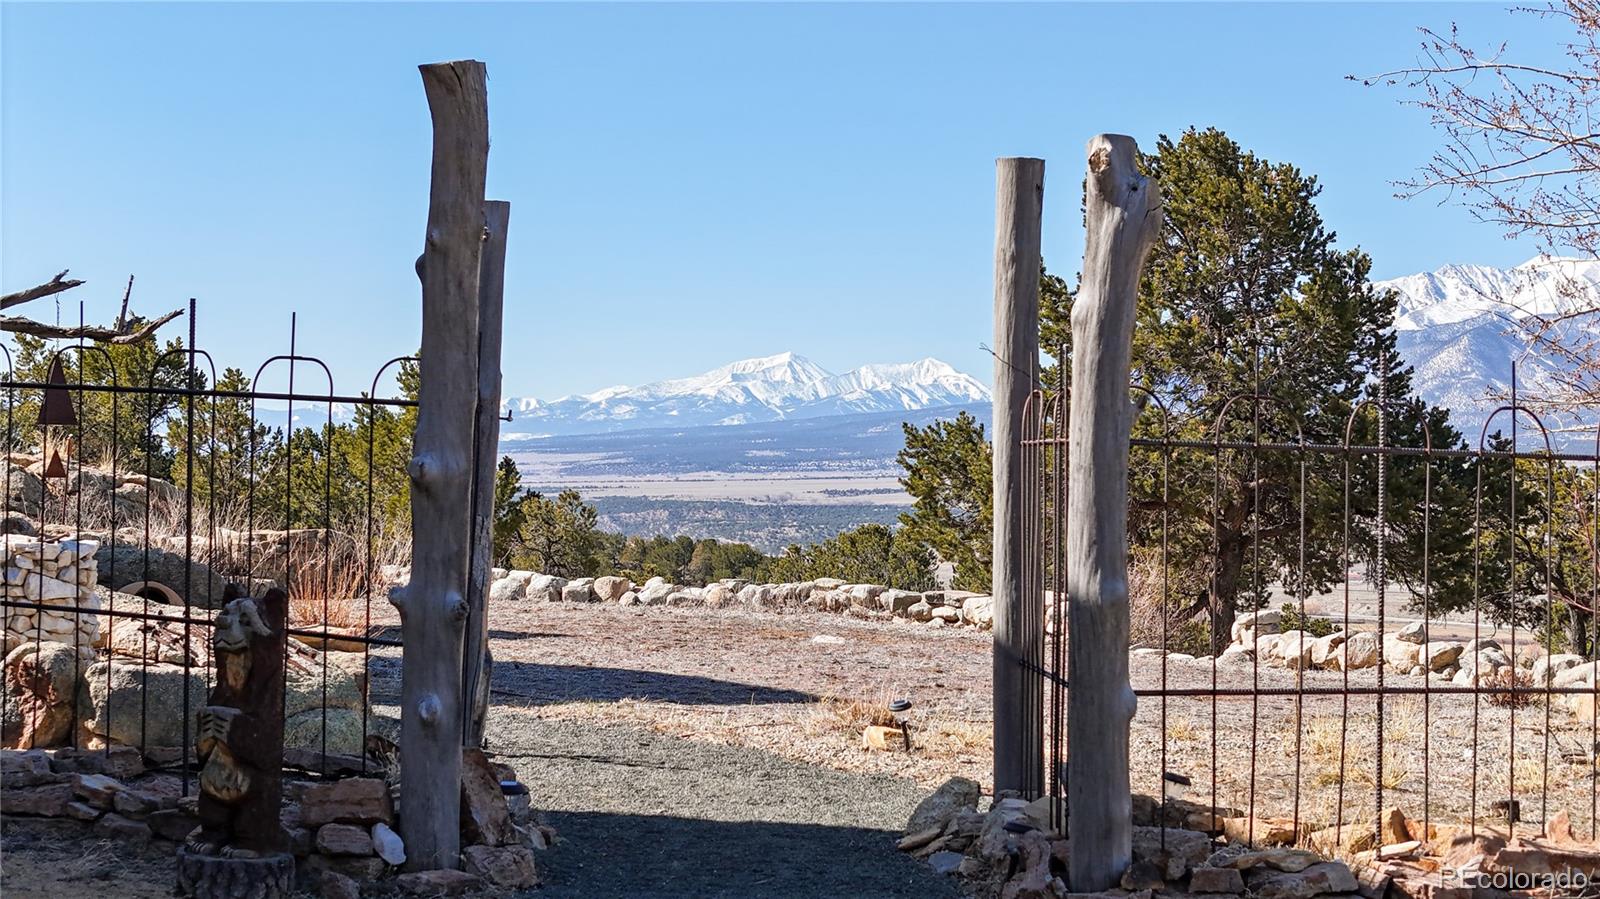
x,y
241,506
1500,523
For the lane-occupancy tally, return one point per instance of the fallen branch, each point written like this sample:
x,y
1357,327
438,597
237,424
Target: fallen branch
x,y
53,286
133,331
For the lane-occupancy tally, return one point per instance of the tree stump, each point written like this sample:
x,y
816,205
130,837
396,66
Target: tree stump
x,y
219,877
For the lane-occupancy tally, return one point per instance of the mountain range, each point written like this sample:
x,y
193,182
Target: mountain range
x,y
1458,328
784,387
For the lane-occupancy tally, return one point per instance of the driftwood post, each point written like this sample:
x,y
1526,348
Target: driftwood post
x,y
433,606
1122,213
1019,204
486,443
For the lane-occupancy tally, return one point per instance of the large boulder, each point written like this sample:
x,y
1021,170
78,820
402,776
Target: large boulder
x,y
140,704
580,590
1400,654
40,684
511,588
1323,648
1437,655
1359,651
545,588
978,611
123,565
1415,632
655,591
1545,668
719,595
1294,648
316,682
610,588
895,602
343,731
1583,675
954,796
686,596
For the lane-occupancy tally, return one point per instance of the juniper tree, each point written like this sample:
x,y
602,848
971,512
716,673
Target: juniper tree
x,y
1253,325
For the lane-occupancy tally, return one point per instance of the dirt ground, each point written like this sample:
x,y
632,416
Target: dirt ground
x,y
696,752
803,685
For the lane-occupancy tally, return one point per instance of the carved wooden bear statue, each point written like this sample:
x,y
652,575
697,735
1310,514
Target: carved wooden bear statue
x,y
240,742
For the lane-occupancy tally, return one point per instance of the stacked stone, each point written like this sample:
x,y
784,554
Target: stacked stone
x,y
59,574
936,608
342,832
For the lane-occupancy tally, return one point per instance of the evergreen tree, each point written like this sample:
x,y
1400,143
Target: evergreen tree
x,y
948,470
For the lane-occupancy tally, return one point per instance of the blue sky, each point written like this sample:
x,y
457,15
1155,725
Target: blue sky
x,y
690,184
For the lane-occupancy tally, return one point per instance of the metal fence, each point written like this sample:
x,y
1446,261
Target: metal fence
x,y
190,481
1351,524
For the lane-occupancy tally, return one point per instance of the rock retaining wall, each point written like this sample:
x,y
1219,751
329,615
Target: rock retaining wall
x,y
935,608
340,831
57,574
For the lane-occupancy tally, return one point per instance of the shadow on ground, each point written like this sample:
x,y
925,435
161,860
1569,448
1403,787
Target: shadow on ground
x,y
527,683
618,855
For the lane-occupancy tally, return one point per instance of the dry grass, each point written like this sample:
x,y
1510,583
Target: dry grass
x,y
1508,678
1183,729
1343,750
331,593
837,715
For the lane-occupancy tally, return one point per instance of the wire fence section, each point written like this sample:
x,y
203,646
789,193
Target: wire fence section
x,y
140,483
1338,614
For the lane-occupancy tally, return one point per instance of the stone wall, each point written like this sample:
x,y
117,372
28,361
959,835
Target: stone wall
x,y
935,608
59,574
340,831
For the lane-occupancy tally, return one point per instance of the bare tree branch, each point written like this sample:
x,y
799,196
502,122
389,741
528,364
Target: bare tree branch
x,y
133,330
122,317
53,286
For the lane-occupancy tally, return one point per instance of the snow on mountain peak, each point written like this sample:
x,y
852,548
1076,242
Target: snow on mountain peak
x,y
1457,328
766,388
1456,293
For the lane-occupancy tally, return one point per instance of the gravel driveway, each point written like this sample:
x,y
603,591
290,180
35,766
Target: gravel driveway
x,y
646,815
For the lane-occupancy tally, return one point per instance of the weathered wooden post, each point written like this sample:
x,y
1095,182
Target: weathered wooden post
x,y
1019,205
477,659
1122,213
433,606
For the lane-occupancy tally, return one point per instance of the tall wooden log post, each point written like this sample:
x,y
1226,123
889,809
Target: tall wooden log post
x,y
433,606
1018,636
1122,214
477,660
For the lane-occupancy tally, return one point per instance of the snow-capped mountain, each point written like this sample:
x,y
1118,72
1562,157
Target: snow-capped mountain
x,y
1458,327
771,388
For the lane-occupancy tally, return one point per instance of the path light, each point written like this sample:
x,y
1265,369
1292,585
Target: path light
x,y
1174,785
899,708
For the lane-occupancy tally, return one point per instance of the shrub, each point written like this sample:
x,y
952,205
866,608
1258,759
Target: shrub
x,y
1294,621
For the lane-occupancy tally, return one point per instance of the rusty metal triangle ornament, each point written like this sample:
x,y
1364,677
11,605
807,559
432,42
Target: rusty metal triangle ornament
x,y
55,469
57,408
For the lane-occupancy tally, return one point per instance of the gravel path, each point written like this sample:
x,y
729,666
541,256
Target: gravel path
x,y
646,815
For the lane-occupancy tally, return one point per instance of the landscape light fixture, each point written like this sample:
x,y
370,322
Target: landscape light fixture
x,y
899,708
1174,785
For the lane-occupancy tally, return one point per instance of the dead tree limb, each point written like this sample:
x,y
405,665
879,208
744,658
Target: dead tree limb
x,y
122,316
53,286
1122,215
134,330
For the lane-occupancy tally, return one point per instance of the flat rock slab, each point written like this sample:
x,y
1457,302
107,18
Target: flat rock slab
x,y
642,814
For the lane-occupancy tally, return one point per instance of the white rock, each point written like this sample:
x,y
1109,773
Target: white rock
x,y
1545,668
388,845
610,588
1583,675
580,590
1438,655
1415,632
978,611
